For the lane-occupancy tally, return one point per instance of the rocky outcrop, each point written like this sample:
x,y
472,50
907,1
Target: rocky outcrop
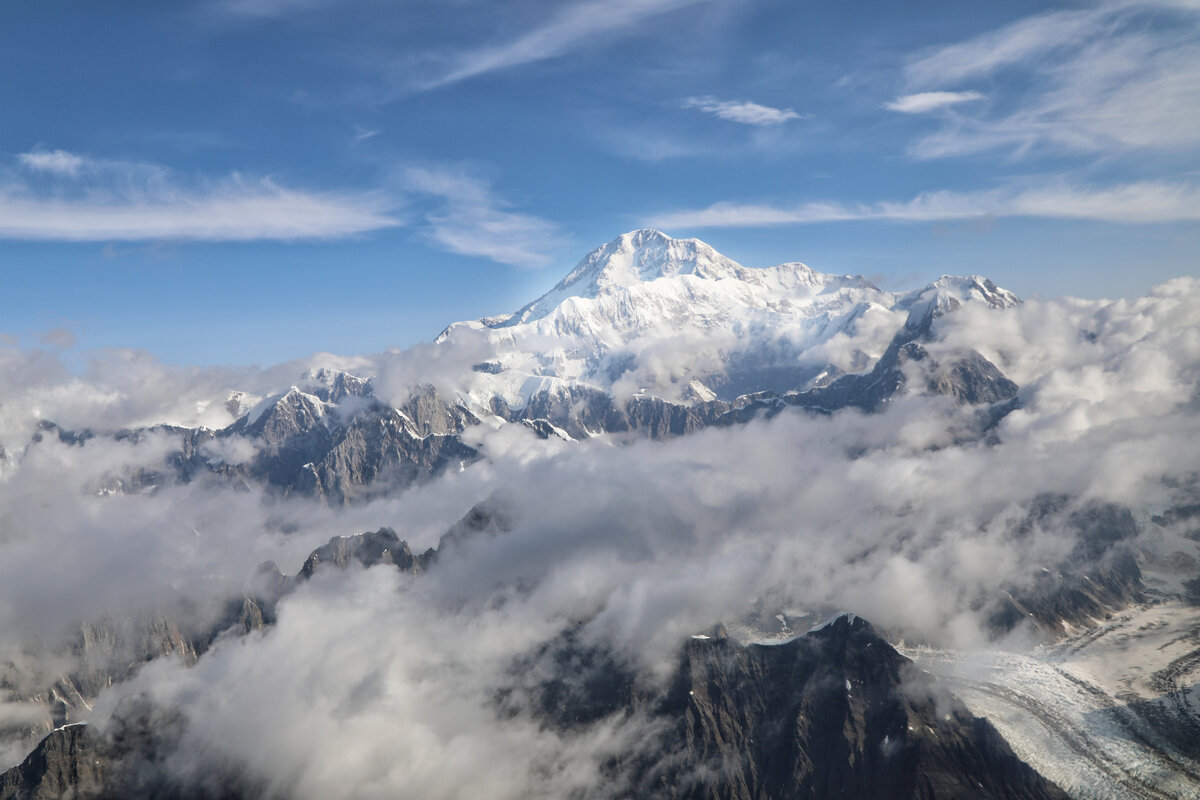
x,y
835,713
1099,578
367,549
332,438
969,378
71,762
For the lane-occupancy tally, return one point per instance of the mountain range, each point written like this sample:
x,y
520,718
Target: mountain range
x,y
647,337
651,340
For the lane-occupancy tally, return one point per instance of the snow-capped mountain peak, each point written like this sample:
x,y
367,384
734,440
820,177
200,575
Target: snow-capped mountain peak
x,y
628,268
948,293
975,288
647,313
646,255
631,259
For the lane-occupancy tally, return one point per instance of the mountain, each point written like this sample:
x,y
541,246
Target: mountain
x,y
736,330
647,336
836,712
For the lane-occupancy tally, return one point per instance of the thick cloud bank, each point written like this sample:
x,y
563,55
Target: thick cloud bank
x,y
375,683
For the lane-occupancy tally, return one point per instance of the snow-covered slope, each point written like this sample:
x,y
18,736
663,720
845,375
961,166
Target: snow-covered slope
x,y
647,336
674,318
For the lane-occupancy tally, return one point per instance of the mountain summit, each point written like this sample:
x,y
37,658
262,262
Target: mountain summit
x,y
640,256
647,335
645,256
674,318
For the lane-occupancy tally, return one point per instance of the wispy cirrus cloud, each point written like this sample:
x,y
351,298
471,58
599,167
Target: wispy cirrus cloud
x,y
743,111
1133,203
267,8
574,25
54,161
361,134
922,102
62,196
1119,76
470,219
1025,41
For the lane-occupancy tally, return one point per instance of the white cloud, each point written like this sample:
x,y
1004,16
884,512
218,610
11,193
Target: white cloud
x,y
55,161
921,102
633,548
471,220
742,111
131,201
361,134
377,684
1022,42
1140,202
1099,80
575,25
267,8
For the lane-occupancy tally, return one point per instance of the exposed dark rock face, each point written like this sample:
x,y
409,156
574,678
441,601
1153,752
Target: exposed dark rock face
x,y
583,412
570,683
307,445
335,440
109,651
491,517
836,713
1099,577
126,761
136,756
104,651
430,414
970,379
368,549
373,447
69,762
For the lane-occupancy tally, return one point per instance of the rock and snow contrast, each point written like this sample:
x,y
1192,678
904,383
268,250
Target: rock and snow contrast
x,y
647,336
624,541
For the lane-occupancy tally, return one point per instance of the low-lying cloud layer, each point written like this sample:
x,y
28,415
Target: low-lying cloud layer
x,y
375,682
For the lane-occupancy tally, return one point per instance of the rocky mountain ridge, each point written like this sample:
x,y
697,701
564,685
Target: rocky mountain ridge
x,y
836,712
562,366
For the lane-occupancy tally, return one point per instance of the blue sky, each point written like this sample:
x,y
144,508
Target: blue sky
x,y
250,181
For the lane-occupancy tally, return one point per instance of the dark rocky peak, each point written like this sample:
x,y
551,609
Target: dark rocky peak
x,y
135,755
367,549
1099,577
68,763
46,428
491,517
831,714
256,609
428,413
970,380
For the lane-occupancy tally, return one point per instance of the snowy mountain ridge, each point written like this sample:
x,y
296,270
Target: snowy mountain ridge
x,y
648,336
647,313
